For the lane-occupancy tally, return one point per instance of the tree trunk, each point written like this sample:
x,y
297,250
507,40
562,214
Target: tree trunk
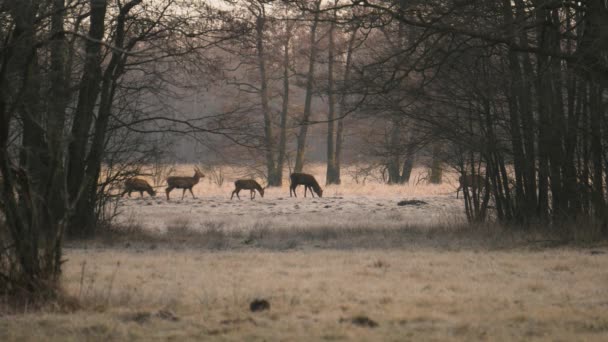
x,y
544,133
584,151
304,123
393,152
592,51
83,118
284,110
527,120
556,151
59,95
268,134
598,200
331,177
87,208
570,179
34,159
344,103
436,166
408,161
522,212
32,216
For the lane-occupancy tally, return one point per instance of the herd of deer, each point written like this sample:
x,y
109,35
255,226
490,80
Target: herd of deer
x,y
309,182
187,183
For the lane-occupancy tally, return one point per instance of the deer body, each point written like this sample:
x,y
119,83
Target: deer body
x,y
470,181
185,183
309,182
247,184
137,184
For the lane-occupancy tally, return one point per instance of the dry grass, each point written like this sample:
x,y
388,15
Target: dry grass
x,y
330,268
421,294
217,236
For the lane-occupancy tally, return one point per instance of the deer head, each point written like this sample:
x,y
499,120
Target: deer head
x,y
197,172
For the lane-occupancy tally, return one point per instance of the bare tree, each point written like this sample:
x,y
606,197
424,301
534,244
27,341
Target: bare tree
x,y
310,78
331,177
94,99
517,86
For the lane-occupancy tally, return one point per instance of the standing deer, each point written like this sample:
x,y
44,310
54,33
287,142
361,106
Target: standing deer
x,y
185,183
247,184
137,184
309,182
470,181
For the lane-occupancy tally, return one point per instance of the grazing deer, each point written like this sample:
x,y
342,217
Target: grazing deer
x,y
309,182
185,183
137,184
247,184
470,181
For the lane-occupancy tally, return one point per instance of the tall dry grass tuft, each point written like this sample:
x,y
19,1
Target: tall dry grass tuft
x,y
61,302
15,294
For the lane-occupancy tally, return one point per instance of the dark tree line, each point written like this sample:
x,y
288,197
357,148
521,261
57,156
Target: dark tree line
x,y
517,90
78,80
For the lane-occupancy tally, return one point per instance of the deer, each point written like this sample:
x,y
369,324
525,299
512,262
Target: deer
x,y
470,181
137,184
247,184
185,183
309,182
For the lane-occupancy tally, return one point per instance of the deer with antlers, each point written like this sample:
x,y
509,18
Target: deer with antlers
x,y
185,183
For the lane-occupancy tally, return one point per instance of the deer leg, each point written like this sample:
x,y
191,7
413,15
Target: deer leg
x,y
183,193
167,191
232,195
252,194
141,193
311,192
292,188
191,192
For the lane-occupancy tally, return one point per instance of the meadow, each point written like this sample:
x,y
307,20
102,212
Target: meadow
x,y
353,265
